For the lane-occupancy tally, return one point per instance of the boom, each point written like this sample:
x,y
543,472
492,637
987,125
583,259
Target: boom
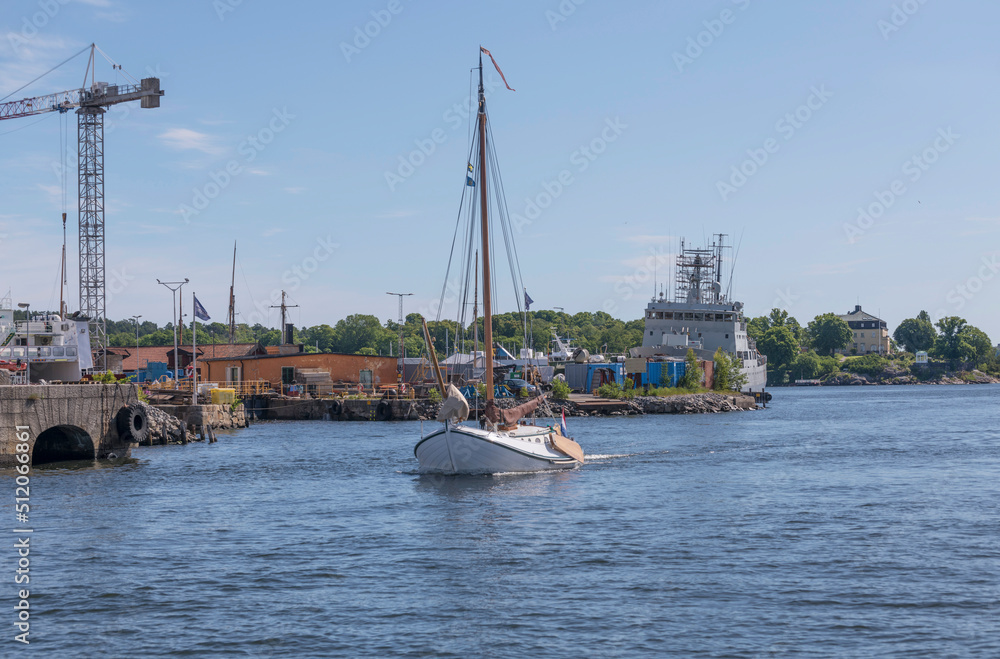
x,y
100,94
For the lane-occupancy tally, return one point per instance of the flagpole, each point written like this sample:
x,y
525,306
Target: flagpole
x,y
194,349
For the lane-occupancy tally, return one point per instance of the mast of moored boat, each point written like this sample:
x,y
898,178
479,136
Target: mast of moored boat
x,y
232,301
487,298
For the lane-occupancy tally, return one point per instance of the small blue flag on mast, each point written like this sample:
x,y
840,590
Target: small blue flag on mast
x,y
199,311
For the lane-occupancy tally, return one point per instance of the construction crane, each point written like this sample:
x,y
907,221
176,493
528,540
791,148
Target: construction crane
x,y
91,101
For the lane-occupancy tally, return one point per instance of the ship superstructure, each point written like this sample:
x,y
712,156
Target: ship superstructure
x,y
701,316
52,347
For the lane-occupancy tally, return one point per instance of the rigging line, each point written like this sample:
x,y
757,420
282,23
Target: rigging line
x,y
44,74
39,120
116,64
507,230
444,286
732,270
466,259
468,100
502,195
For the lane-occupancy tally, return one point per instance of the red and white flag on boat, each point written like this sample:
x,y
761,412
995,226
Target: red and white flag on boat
x,y
562,426
497,66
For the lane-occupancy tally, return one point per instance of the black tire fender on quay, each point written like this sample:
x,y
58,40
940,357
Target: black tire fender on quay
x,y
132,423
383,412
336,408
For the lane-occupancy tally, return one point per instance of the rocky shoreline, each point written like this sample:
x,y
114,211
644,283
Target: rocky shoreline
x,y
902,377
167,428
707,403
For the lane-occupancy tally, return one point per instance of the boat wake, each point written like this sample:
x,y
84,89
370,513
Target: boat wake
x,y
609,456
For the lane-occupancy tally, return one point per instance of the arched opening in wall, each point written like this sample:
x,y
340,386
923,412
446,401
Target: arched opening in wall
x,y
62,443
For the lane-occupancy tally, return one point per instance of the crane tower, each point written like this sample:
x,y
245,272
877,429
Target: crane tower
x,y
90,102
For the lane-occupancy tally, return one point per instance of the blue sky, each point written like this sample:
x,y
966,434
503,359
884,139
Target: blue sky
x,y
822,105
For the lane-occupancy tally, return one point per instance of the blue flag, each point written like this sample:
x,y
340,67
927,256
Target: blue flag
x,y
469,182
199,311
527,301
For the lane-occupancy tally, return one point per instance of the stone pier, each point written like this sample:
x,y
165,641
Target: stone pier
x,y
64,422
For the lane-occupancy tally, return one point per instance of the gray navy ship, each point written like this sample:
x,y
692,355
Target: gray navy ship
x,y
701,317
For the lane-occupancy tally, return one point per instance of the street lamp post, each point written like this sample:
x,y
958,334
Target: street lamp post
x,y
174,286
135,319
27,341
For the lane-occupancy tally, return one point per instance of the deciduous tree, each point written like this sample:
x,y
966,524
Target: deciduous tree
x,y
828,333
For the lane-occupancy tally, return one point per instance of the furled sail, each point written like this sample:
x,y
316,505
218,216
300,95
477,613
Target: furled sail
x,y
455,407
514,414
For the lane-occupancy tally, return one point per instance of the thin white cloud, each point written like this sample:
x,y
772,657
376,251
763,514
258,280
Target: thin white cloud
x,y
272,231
185,139
294,190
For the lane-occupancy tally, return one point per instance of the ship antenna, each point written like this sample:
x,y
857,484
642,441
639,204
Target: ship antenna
x,y
732,271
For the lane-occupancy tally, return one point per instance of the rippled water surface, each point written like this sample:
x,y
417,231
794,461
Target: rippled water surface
x,y
838,522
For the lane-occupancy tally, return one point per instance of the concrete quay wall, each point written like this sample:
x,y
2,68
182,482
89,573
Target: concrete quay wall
x,y
63,422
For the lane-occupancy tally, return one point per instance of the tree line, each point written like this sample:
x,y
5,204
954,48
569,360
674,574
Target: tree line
x,y
366,334
794,351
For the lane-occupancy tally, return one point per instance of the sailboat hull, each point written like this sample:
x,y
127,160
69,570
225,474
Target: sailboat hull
x,y
457,449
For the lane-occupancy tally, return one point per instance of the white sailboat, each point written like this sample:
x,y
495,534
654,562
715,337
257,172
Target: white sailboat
x,y
502,443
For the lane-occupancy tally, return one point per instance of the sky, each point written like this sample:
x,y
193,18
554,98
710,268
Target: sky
x,y
849,149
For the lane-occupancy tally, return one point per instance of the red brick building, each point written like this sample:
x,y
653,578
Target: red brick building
x,y
282,369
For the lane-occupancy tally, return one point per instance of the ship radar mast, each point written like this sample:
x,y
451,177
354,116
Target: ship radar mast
x,y
699,273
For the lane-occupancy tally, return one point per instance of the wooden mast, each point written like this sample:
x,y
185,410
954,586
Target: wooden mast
x,y
232,300
487,296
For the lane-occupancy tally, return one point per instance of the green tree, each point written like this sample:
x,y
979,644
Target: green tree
x,y
692,372
828,333
357,331
756,327
560,390
780,345
915,334
981,348
805,366
869,364
949,343
728,370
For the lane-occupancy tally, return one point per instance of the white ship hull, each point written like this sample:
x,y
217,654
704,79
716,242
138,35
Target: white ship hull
x,y
457,449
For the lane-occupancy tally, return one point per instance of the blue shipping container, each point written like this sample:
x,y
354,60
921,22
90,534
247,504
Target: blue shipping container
x,y
664,374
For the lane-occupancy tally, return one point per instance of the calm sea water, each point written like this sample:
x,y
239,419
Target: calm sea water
x,y
839,522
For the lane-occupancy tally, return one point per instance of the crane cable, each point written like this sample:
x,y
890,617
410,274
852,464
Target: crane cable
x,y
46,73
115,65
